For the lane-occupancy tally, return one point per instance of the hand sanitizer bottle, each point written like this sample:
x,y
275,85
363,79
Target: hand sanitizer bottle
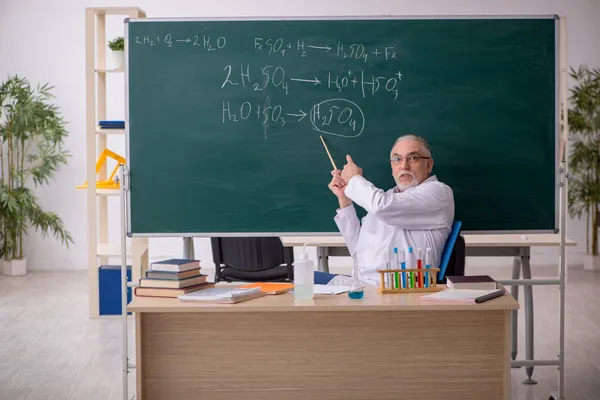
x,y
304,277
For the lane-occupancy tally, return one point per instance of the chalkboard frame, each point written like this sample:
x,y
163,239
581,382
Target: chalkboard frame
x,y
559,47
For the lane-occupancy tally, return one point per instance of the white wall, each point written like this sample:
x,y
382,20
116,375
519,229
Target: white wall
x,y
45,41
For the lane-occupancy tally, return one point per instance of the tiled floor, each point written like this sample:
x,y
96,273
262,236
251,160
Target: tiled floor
x,y
50,349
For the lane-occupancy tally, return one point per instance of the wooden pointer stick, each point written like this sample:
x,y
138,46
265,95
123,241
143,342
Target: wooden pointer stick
x,y
327,150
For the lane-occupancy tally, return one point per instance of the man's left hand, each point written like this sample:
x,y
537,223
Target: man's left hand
x,y
350,169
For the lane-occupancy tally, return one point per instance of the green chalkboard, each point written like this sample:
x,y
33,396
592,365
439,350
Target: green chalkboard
x,y
224,118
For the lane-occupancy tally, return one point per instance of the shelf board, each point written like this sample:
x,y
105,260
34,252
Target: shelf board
x,y
111,250
107,192
118,11
109,71
100,131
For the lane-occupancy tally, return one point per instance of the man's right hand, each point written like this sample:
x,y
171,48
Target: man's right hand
x,y
337,186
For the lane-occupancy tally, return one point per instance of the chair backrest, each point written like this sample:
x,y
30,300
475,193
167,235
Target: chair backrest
x,y
452,260
456,266
251,256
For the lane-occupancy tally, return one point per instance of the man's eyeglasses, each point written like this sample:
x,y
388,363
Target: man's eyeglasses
x,y
412,159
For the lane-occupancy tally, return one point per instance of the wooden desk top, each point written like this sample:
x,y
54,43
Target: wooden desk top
x,y
373,301
471,240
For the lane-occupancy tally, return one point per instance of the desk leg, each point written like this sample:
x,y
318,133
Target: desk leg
x,y
514,291
138,356
528,294
188,248
322,259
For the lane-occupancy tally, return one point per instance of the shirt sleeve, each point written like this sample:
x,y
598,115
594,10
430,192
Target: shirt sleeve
x,y
349,226
429,205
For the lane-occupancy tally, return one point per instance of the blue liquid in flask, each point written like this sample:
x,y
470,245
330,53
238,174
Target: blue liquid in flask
x,y
356,290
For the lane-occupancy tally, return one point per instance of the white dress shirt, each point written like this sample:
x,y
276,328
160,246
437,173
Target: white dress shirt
x,y
418,217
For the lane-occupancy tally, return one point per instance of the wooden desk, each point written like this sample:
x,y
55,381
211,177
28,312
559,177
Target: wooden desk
x,y
331,347
476,245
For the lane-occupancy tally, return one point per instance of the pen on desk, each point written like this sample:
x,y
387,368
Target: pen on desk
x,y
489,296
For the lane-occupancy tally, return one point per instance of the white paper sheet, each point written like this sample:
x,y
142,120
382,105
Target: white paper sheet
x,y
331,289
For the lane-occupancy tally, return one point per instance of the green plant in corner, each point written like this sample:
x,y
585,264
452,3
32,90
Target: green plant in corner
x,y
584,158
31,150
117,44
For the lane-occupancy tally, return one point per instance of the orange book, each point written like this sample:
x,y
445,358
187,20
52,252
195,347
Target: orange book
x,y
271,287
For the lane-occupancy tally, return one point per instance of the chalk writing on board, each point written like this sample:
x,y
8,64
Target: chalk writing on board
x,y
265,114
278,46
356,51
273,75
314,81
301,114
259,79
204,42
147,40
338,117
368,84
359,51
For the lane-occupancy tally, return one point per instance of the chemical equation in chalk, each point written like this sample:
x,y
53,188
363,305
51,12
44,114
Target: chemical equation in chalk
x,y
275,77
338,117
200,42
304,48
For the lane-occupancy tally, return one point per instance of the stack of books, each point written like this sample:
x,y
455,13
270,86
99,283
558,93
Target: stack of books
x,y
172,278
478,282
111,124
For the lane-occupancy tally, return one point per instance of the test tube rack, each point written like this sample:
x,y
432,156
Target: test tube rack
x,y
431,287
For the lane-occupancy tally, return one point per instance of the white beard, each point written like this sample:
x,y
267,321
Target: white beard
x,y
404,186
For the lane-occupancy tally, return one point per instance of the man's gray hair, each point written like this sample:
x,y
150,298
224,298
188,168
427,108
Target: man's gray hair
x,y
419,139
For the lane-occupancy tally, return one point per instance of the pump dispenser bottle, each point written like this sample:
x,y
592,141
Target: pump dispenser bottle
x,y
304,277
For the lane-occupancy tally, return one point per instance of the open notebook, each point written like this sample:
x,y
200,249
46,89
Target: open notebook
x,y
463,295
223,294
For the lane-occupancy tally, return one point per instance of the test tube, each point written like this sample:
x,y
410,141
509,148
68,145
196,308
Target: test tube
x,y
395,275
420,266
403,266
390,276
411,278
427,266
386,281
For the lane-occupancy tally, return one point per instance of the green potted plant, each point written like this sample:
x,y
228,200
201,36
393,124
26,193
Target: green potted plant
x,y
31,139
584,158
117,47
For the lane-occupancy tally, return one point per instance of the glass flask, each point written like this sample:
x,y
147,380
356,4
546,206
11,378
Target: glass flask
x,y
356,290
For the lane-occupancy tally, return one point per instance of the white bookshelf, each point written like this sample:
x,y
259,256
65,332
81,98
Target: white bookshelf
x,y
100,131
99,248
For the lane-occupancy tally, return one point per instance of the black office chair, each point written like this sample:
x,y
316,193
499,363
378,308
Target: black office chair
x,y
252,259
453,255
456,264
